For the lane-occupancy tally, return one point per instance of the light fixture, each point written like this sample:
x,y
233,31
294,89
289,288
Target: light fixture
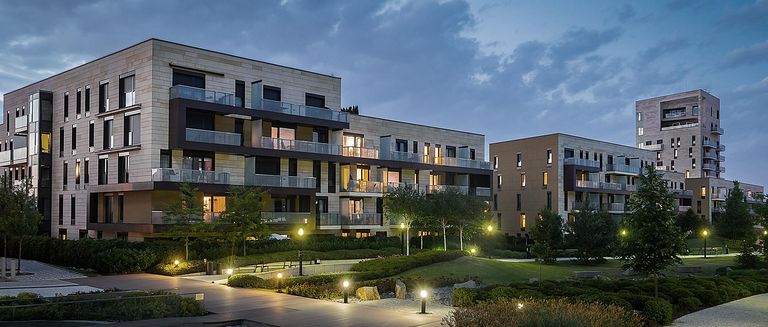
x,y
279,282
489,228
520,305
345,284
402,225
230,271
176,262
423,295
301,231
623,232
473,251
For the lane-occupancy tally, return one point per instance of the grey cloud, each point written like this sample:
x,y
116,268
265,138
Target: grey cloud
x,y
754,54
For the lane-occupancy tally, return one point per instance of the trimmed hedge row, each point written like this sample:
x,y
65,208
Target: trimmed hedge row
x,y
213,249
390,266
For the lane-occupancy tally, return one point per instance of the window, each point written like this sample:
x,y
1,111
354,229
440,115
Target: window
x,y
314,100
240,94
272,93
77,172
703,192
695,110
519,203
127,91
672,165
690,152
331,177
87,99
72,210
519,160
450,151
640,131
495,162
545,179
103,171
108,137
104,97
86,174
675,154
693,163
522,221
678,142
165,159
498,181
61,141
639,116
61,209
91,133
495,202
78,101
74,138
66,106
549,156
120,208
45,142
549,200
108,209
123,166
693,140
401,145
132,130
522,180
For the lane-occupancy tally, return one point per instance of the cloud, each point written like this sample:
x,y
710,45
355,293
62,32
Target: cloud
x,y
752,55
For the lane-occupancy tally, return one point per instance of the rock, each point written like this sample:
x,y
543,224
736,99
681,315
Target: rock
x,y
729,269
368,293
533,280
629,272
762,270
400,291
467,284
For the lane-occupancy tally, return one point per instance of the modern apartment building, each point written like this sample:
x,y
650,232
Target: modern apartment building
x,y
565,173
684,131
710,195
106,145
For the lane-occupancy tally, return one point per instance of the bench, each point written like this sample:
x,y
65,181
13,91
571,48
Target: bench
x,y
586,274
688,269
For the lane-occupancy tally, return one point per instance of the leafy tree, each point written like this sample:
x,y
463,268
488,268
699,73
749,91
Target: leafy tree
x,y
406,205
689,222
592,233
736,222
445,209
19,216
242,218
653,240
548,235
185,216
471,213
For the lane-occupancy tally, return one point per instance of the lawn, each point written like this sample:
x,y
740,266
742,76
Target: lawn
x,y
497,272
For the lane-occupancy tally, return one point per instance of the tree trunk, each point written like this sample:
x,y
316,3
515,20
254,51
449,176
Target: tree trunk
x,y
421,240
186,249
408,240
232,255
445,240
461,238
5,254
244,242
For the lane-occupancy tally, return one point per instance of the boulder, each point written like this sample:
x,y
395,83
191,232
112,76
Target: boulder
x,y
400,291
368,293
533,280
467,284
629,272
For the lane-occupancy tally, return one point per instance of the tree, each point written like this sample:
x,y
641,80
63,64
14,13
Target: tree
x,y
185,215
653,240
736,222
404,204
445,208
592,234
471,213
242,218
548,235
19,216
689,222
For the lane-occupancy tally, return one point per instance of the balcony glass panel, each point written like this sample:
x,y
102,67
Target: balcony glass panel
x,y
302,110
620,207
405,156
194,93
302,146
581,162
365,218
281,181
358,152
364,187
189,175
286,217
215,137
623,168
21,122
440,188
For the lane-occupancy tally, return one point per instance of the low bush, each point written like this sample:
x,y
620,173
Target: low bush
x,y
247,281
607,299
315,291
185,267
658,310
312,255
463,297
390,266
214,249
123,260
508,254
551,312
689,303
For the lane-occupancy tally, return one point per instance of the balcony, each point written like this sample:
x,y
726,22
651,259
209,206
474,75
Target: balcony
x,y
198,94
361,186
614,207
394,185
719,196
718,209
431,189
683,208
588,184
360,152
720,157
717,130
405,156
281,181
679,126
21,124
355,219
709,144
721,169
708,166
458,162
300,146
5,157
622,169
214,137
674,114
721,147
19,155
652,147
302,110
481,191
679,192
189,175
581,162
709,155
286,218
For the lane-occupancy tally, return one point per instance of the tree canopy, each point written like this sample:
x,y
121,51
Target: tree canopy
x,y
736,222
592,233
548,235
185,216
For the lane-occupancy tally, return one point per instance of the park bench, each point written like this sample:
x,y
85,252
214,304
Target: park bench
x,y
688,269
586,274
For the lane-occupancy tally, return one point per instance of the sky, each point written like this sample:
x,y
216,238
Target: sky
x,y
506,69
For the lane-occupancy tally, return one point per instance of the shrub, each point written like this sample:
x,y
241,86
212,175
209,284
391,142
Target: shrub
x,y
509,254
506,292
463,297
658,310
123,260
708,297
607,299
680,293
689,303
636,300
247,281
390,266
552,312
185,267
322,292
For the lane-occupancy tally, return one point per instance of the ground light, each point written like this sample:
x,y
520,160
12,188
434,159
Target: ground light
x,y
704,235
520,306
176,262
423,295
301,248
623,232
345,284
489,228
402,238
230,271
279,282
473,251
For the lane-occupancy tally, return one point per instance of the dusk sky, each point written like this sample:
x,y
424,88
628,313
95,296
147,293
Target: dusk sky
x,y
504,69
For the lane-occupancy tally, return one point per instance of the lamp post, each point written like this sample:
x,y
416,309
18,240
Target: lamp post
x,y
279,282
402,238
345,284
301,247
176,263
423,295
704,235
489,228
473,251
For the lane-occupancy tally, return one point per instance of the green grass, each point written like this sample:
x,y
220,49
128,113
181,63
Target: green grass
x,y
497,272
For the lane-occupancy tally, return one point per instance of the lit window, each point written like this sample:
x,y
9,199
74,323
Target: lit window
x,y
519,160
640,131
522,180
549,156
495,162
703,192
522,221
545,178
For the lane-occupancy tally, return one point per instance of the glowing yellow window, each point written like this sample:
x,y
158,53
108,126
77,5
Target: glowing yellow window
x,y
545,178
703,192
522,220
522,180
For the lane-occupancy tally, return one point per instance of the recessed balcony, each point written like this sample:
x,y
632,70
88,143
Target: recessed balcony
x,y
213,137
708,166
361,186
300,146
459,162
281,181
286,218
614,207
581,162
431,189
622,169
360,152
652,147
303,110
189,175
677,125
355,219
717,130
198,94
20,124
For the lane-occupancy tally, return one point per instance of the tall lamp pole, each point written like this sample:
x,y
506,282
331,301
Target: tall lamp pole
x,y
301,248
704,234
489,228
402,238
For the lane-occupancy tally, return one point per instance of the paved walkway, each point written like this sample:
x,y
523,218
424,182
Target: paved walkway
x,y
42,279
227,304
616,258
747,312
272,269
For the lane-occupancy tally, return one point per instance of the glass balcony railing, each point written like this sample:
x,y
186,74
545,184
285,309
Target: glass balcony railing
x,y
678,126
286,217
301,146
394,185
441,188
708,166
358,152
588,184
619,168
459,162
194,93
629,187
215,137
709,144
652,147
674,114
481,191
281,181
5,157
189,175
364,187
405,156
302,110
19,155
581,162
21,123
335,219
717,130
613,207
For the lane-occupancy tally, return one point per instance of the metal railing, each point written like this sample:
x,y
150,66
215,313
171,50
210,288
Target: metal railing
x,y
679,126
630,187
614,207
215,137
581,162
286,217
359,152
189,175
361,186
281,181
394,185
299,145
717,130
198,94
463,189
482,191
652,147
459,162
20,123
303,110
622,168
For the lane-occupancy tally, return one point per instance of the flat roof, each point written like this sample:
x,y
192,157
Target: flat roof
x,y
568,135
421,125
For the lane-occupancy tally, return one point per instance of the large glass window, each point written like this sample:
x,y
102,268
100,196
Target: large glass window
x,y
272,93
109,139
91,132
198,162
87,99
127,91
103,171
66,106
104,97
132,134
314,100
108,209
123,167
78,101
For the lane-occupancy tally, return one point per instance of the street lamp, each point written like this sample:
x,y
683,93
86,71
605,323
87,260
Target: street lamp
x,y
423,295
473,251
345,284
704,235
402,238
623,232
301,257
279,282
230,271
489,228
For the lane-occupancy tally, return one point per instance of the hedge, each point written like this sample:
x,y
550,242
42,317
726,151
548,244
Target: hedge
x,y
390,266
247,281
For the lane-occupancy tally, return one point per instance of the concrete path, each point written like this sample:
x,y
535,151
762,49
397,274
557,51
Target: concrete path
x,y
43,279
747,312
228,304
324,267
616,258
